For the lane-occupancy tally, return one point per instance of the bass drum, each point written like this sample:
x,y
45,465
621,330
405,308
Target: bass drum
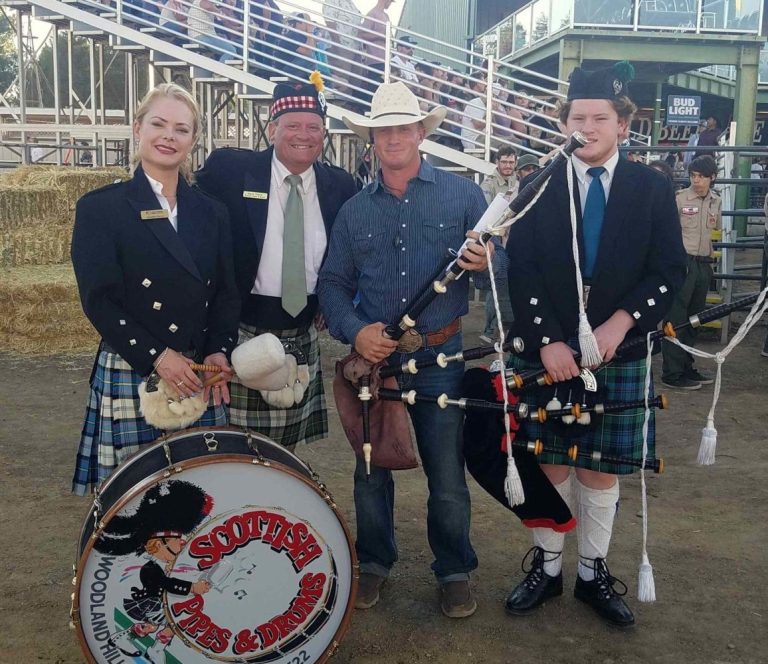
x,y
213,545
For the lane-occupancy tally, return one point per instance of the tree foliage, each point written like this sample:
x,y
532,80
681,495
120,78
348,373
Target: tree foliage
x,y
114,77
7,54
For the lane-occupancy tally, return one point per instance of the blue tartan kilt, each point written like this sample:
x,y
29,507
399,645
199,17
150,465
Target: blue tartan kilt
x,y
114,428
616,434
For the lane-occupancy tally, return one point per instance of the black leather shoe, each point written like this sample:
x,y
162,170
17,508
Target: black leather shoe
x,y
536,588
603,598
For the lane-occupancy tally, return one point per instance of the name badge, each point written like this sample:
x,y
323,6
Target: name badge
x,y
154,214
690,210
258,195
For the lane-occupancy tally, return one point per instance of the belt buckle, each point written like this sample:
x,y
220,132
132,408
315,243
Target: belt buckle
x,y
410,342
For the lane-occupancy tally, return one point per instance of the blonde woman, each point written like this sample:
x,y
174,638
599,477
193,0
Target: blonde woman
x,y
153,261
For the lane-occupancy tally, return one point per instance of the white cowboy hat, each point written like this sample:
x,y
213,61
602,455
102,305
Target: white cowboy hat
x,y
393,105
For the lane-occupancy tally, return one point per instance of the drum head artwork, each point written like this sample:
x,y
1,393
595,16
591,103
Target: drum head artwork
x,y
223,560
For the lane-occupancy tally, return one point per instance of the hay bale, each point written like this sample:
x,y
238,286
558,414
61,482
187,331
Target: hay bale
x,y
48,192
42,313
20,206
41,244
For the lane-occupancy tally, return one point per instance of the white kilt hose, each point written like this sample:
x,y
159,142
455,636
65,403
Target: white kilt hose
x,y
306,421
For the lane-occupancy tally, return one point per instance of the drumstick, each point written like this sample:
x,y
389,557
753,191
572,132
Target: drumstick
x,y
214,379
211,368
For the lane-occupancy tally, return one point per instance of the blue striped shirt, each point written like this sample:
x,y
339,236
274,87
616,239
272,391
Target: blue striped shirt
x,y
387,248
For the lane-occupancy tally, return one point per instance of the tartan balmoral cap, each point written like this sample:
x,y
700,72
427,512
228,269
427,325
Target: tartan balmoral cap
x,y
607,83
296,97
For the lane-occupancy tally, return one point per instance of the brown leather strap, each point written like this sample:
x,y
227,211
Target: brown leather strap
x,y
412,341
442,335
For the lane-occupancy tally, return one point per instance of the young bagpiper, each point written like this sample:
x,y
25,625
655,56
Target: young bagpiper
x,y
596,260
700,213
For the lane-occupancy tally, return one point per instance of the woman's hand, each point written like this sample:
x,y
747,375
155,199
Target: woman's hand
x,y
174,369
220,389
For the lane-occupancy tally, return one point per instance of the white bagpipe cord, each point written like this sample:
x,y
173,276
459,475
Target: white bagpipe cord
x,y
590,354
513,485
646,588
706,456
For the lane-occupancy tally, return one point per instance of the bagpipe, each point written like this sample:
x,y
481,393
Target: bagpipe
x,y
373,409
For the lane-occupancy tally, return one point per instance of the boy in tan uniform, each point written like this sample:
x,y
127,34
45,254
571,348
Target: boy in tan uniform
x,y
700,212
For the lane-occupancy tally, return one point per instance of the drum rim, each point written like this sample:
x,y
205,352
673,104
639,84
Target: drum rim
x,y
123,467
150,480
139,454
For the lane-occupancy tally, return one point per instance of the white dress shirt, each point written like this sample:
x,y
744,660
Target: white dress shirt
x,y
270,275
173,215
584,179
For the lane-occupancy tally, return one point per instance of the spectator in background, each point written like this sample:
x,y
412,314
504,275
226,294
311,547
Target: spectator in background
x,y
700,213
201,28
373,34
84,156
342,17
229,24
300,40
547,125
519,114
526,165
473,120
173,18
267,23
708,137
403,65
503,180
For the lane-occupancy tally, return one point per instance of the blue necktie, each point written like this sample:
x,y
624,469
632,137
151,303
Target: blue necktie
x,y
592,220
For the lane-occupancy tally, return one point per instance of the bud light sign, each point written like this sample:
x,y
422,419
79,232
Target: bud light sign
x,y
683,110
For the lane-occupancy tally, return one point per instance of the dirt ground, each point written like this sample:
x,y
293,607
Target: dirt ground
x,y
708,539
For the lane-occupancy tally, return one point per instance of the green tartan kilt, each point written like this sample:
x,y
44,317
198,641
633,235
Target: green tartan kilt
x,y
302,423
617,434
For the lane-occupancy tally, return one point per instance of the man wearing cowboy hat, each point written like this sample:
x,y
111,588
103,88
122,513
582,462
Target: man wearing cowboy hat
x,y
386,244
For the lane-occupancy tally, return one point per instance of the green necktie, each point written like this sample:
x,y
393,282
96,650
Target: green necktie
x,y
294,275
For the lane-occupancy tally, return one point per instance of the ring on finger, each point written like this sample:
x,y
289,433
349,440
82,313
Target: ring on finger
x,y
180,383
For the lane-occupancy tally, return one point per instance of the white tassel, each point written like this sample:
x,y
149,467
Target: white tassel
x,y
708,444
646,588
513,485
590,354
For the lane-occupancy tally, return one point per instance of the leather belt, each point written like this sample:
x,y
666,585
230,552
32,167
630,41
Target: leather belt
x,y
701,259
412,341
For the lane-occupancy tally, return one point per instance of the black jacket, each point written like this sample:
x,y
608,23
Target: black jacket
x,y
639,267
230,172
143,285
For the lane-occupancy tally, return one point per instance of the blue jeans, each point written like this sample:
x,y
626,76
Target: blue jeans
x,y
439,440
218,45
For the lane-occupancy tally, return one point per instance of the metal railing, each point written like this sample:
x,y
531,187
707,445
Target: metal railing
x,y
541,19
289,46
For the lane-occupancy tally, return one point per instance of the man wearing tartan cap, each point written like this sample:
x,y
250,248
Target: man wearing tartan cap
x,y
596,261
259,189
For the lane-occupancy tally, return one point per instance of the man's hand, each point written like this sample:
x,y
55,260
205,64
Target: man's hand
x,y
473,258
557,359
373,345
611,333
